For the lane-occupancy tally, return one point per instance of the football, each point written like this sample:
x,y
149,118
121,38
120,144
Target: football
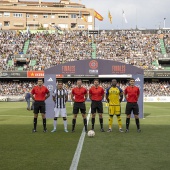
x,y
91,133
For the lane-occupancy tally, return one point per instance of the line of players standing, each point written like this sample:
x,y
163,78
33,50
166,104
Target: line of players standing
x,y
114,96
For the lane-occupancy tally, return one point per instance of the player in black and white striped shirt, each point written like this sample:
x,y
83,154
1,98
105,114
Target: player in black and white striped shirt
x,y
60,97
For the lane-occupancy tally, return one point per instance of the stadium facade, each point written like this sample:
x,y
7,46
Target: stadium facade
x,y
21,14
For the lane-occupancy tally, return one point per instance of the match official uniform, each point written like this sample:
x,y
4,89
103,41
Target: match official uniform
x,y
132,93
79,103
132,98
79,94
39,94
96,96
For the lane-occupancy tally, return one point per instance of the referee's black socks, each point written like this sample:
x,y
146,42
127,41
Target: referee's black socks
x,y
44,123
73,124
101,122
35,123
85,124
127,123
93,122
137,123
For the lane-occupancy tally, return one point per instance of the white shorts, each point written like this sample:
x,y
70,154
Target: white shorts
x,y
59,111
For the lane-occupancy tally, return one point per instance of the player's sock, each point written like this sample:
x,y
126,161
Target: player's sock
x,y
35,123
85,124
137,123
44,123
65,123
55,123
127,123
93,122
101,122
119,122
73,124
110,121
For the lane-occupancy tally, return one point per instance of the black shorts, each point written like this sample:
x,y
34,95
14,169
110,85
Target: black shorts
x,y
96,107
132,107
79,106
39,107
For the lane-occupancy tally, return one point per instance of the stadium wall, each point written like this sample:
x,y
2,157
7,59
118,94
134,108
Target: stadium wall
x,y
145,99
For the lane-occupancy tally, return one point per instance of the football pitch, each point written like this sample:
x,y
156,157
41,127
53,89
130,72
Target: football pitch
x,y
20,149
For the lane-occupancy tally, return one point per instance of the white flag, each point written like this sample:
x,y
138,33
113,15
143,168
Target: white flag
x,y
124,17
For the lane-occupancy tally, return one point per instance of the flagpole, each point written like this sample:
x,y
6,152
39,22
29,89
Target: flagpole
x,y
136,20
164,22
122,19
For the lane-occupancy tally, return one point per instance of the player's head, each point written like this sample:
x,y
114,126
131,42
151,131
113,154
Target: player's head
x,y
96,82
40,82
79,82
114,82
60,85
131,81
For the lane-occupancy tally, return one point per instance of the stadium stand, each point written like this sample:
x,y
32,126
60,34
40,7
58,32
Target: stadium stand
x,y
47,50
19,88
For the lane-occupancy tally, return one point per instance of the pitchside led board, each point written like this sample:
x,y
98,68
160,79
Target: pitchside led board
x,y
92,68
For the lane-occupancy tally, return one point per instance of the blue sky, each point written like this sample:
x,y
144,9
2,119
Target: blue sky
x,y
143,13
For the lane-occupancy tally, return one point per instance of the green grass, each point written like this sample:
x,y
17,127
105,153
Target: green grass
x,y
20,149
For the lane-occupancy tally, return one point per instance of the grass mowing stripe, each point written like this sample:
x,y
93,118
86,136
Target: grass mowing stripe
x,y
76,157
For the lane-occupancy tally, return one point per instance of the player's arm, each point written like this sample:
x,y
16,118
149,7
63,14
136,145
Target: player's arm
x,y
54,95
90,91
47,94
107,95
138,93
125,94
102,93
121,95
66,96
86,95
32,94
72,96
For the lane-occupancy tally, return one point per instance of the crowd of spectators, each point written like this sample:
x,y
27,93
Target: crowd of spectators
x,y
131,47
19,88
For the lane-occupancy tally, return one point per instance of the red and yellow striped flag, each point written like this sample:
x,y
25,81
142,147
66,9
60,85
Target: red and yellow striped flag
x,y
98,16
84,18
110,17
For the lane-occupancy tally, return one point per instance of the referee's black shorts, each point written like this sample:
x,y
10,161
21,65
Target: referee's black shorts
x,y
79,106
96,107
132,107
39,107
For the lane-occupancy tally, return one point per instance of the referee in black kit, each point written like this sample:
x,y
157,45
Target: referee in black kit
x,y
39,94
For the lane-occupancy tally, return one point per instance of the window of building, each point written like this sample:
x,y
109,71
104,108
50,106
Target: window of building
x,y
0,24
62,16
90,27
45,16
17,15
90,18
45,25
0,14
73,16
52,16
35,16
27,15
6,23
81,26
63,25
6,14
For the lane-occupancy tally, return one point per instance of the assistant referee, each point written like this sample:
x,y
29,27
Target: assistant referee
x,y
132,94
39,94
79,96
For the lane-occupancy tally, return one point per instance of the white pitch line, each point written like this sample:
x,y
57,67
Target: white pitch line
x,y
77,154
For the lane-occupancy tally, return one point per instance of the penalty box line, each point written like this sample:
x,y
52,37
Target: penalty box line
x,y
77,153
